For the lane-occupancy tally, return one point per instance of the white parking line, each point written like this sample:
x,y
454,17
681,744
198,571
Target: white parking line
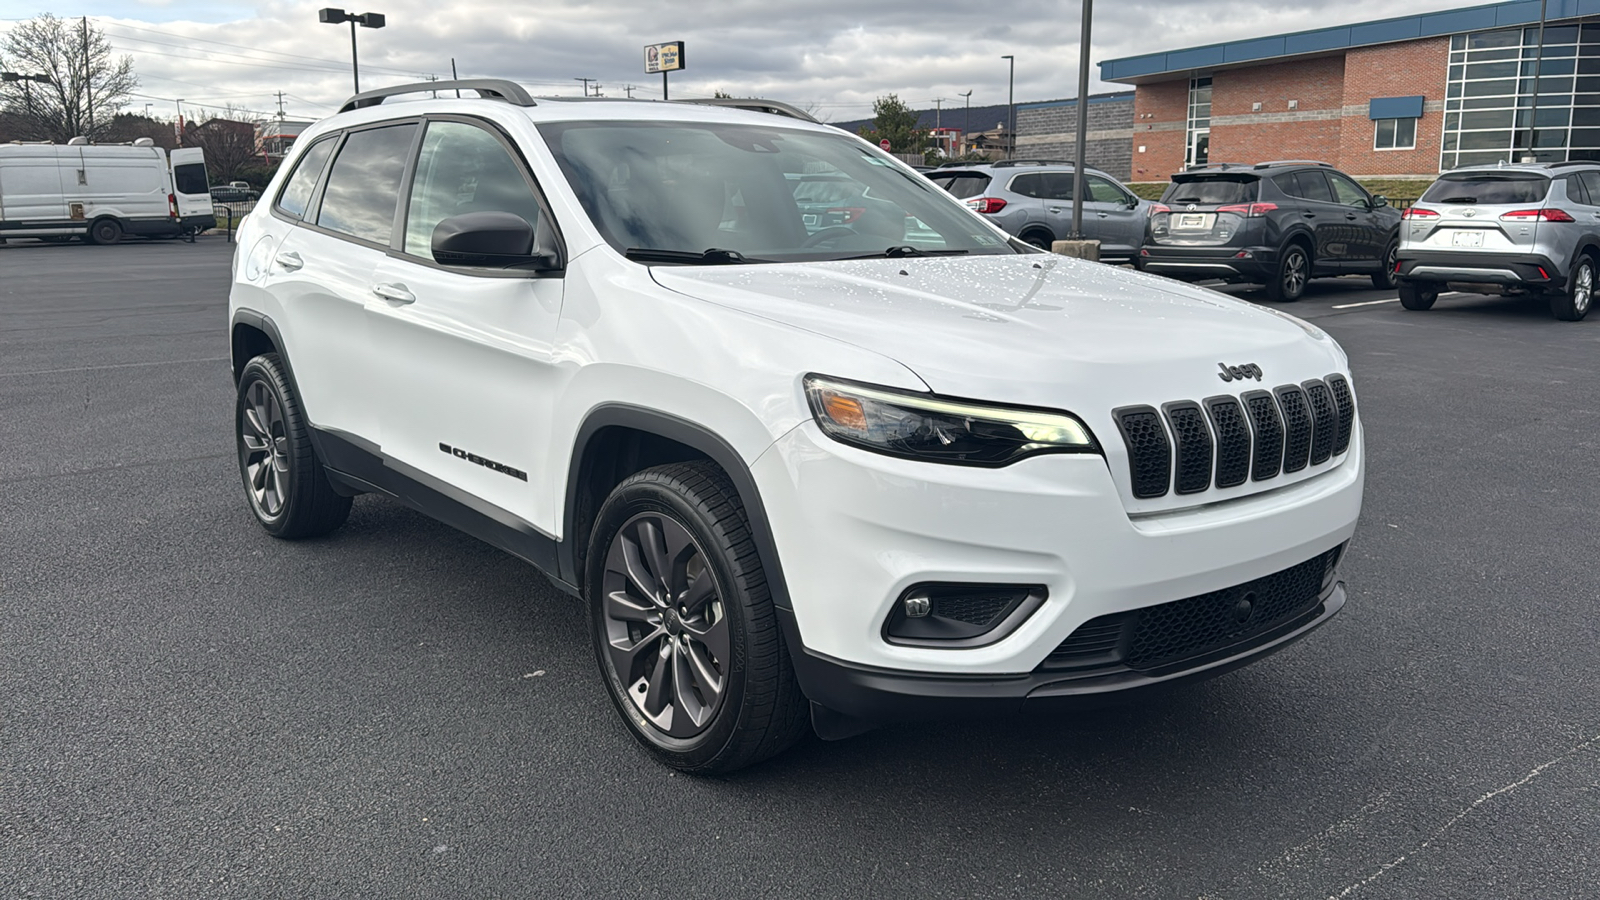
x,y
1367,303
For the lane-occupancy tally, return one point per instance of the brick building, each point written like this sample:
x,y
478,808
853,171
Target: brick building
x,y
1409,96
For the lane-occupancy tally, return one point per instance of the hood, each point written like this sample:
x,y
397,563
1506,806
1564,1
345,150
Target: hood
x,y
1035,329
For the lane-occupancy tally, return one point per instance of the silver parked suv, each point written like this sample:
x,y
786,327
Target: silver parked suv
x,y
1531,229
1032,199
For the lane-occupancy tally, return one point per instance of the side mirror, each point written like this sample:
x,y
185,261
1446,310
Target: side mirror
x,y
1133,202
1379,200
497,240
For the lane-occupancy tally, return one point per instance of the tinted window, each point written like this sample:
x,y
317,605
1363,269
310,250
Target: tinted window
x,y
190,178
962,185
1591,181
1032,185
463,169
1488,188
1211,189
364,183
1312,186
297,193
1346,191
1576,191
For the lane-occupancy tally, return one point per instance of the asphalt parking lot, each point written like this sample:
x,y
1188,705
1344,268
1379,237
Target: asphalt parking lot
x,y
189,708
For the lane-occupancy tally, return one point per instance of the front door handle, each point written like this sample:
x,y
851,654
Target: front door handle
x,y
1350,216
290,260
1309,215
394,292
1055,209
1104,215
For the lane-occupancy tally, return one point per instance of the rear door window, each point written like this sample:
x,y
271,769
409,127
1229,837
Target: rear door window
x,y
1212,190
962,184
1576,191
190,178
1488,188
296,195
364,184
1310,185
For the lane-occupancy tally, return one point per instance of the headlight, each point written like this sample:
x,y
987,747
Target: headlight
x,y
935,429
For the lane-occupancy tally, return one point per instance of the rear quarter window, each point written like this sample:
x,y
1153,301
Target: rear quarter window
x,y
962,185
1488,188
1211,190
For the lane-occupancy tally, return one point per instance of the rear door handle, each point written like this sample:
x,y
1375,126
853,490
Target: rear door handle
x,y
394,292
1350,216
290,260
1309,215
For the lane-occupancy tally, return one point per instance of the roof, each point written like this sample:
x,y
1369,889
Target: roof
x,y
1174,63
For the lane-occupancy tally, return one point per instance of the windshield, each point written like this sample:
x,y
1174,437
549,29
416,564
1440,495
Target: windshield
x,y
1488,188
765,194
1211,189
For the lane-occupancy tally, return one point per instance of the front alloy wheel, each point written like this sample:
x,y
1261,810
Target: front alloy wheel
x,y
264,449
1294,270
666,626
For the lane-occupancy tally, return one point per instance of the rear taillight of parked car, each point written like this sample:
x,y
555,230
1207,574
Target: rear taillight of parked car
x,y
1537,215
172,206
986,204
1159,209
1248,210
1416,212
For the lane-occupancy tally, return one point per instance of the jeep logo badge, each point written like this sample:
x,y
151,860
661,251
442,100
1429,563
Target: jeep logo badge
x,y
1239,373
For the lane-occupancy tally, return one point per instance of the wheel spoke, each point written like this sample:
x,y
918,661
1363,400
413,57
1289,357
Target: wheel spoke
x,y
713,636
683,693
626,652
634,569
652,542
701,590
624,608
252,421
280,454
658,695
258,476
705,674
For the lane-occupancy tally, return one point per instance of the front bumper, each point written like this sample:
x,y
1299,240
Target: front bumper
x,y
1259,264
856,529
1446,266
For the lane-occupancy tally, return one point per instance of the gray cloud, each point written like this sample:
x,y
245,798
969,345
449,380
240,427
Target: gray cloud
x,y
836,54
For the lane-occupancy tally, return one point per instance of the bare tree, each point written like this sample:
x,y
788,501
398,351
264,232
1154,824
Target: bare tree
x,y
229,140
87,85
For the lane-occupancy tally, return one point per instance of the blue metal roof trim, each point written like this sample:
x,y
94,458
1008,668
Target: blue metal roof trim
x,y
1121,97
1395,107
1383,31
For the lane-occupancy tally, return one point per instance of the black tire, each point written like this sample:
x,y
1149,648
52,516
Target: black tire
x,y
1041,239
1573,303
284,482
105,232
1293,274
1384,279
758,710
1418,297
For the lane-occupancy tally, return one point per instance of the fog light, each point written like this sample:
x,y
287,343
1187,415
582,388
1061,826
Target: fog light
x,y
960,615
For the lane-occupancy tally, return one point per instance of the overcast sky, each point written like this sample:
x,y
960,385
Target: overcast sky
x,y
836,54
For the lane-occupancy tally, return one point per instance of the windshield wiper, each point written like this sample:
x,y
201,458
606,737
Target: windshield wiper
x,y
903,250
714,256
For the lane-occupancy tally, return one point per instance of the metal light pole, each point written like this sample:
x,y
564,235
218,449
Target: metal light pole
x,y
1533,112
27,89
1011,104
178,103
1078,180
966,123
335,16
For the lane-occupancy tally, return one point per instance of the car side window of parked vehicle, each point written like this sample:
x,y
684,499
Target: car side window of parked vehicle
x,y
463,168
296,195
190,178
1348,192
364,184
1576,192
1312,185
1591,183
1101,190
965,185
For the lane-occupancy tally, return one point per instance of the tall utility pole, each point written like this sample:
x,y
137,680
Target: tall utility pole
x,y
88,83
966,122
280,104
178,103
585,84
938,123
1011,104
1078,181
629,89
1533,113
334,16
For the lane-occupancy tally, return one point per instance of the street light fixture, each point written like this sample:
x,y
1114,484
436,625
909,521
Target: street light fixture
x,y
334,16
1011,104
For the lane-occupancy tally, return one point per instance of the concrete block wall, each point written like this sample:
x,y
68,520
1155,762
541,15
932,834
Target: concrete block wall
x,y
1050,132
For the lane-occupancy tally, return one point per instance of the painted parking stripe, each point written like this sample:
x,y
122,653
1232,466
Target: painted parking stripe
x,y
1390,300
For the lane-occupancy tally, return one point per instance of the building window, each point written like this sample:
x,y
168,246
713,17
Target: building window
x,y
1395,134
1198,140
1494,90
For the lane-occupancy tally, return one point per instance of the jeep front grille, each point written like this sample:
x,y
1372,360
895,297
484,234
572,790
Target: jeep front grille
x,y
1225,441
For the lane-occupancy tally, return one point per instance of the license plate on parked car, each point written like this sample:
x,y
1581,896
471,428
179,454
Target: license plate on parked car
x,y
1467,239
1194,220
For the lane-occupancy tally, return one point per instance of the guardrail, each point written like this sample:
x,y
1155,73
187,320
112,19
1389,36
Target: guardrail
x,y
229,213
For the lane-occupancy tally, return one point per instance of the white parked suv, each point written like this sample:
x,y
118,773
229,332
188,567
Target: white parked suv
x,y
836,470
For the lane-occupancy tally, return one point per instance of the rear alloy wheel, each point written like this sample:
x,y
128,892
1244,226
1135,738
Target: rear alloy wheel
x,y
684,629
105,231
1384,279
283,478
1573,303
1039,239
1418,297
1294,270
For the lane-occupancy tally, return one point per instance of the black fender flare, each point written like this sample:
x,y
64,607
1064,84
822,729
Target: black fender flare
x,y
694,436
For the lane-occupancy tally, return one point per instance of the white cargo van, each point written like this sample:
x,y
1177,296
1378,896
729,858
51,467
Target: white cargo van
x,y
101,192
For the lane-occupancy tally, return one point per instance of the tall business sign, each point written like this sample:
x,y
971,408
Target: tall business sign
x,y
664,58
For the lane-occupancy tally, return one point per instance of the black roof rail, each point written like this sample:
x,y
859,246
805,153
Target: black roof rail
x,y
1564,163
487,88
753,104
1030,162
1293,162
1224,166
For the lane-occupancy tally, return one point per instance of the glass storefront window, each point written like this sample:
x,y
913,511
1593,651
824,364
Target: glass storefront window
x,y
1495,79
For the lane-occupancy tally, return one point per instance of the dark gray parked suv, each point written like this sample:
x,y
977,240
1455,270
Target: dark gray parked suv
x,y
1278,224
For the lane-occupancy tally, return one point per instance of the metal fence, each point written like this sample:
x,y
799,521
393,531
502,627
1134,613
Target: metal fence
x,y
228,214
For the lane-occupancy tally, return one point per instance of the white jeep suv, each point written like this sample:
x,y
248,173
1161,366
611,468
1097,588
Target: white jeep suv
x,y
804,464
